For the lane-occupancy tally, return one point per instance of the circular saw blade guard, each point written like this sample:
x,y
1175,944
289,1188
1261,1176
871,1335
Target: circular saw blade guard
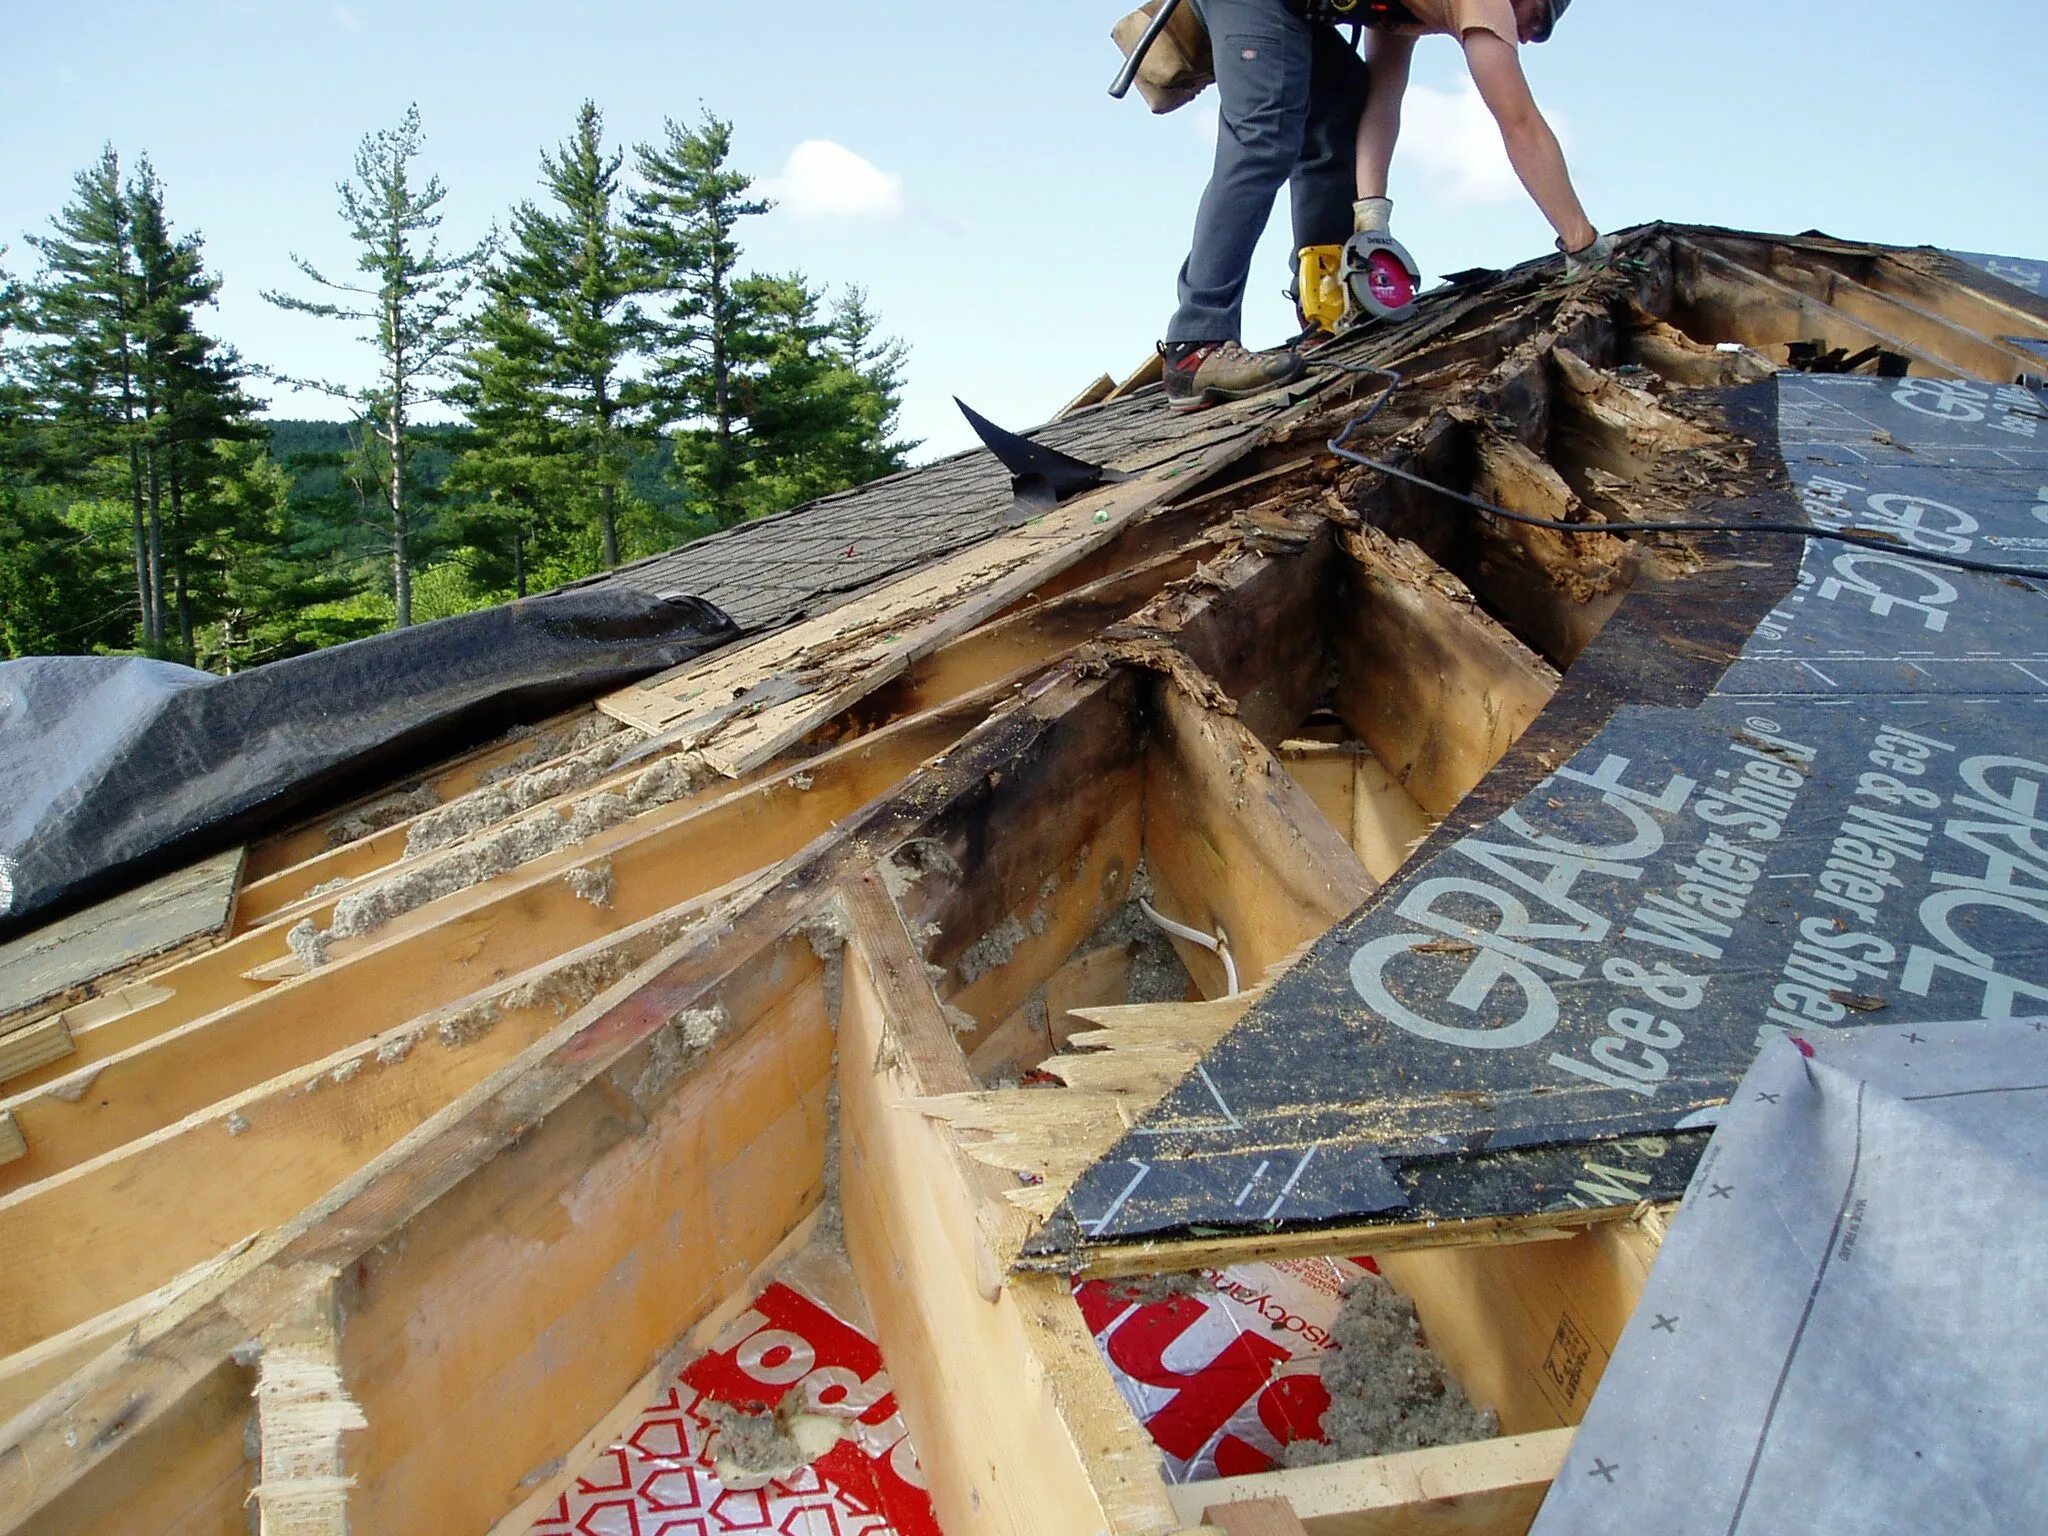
x,y
1380,279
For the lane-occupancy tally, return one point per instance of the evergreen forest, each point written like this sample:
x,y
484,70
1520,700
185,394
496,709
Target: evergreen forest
x,y
603,378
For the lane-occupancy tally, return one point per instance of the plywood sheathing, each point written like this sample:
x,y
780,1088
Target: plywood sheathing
x,y
84,954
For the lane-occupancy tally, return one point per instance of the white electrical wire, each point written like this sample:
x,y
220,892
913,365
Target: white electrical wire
x,y
1217,944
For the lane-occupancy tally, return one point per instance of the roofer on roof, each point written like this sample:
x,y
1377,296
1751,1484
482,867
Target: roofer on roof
x,y
1300,106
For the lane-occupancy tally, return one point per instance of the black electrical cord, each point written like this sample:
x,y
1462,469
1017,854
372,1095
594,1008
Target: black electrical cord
x,y
1783,530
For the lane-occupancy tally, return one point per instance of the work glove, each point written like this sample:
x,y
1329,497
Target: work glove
x,y
1371,215
1582,264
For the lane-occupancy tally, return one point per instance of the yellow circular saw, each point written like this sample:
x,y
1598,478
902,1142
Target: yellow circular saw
x,y
1370,277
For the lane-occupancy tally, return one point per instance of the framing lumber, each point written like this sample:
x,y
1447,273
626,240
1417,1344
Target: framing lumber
x,y
1362,799
1236,846
1055,1451
1491,1488
26,1375
1435,686
446,951
302,1412
148,1407
1723,300
677,1184
1820,275
85,1241
741,708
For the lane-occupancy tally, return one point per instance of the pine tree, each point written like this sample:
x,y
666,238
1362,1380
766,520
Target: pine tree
x,y
512,464
412,304
877,362
684,222
192,401
83,307
546,385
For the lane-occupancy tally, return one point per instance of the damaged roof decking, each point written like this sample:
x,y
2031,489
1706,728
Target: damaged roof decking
x,y
1834,819
858,748
777,569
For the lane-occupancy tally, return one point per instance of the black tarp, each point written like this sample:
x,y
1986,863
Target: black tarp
x,y
113,768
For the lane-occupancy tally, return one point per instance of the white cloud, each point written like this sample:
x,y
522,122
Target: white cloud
x,y
1453,142
824,180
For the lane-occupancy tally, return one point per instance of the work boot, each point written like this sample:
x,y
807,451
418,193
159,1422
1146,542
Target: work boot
x,y
1200,374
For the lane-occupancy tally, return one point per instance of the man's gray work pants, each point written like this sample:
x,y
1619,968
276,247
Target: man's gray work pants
x,y
1292,96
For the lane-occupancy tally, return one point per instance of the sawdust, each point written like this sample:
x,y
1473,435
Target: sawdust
x,y
397,1048
367,910
1388,1390
831,1226
828,931
469,1025
1156,972
551,745
672,1048
593,883
308,944
755,1443
991,952
1147,1289
379,814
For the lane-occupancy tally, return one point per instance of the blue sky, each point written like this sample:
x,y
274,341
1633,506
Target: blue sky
x,y
963,162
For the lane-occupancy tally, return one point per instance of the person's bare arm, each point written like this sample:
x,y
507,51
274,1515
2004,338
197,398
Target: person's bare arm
x,y
1387,58
1532,148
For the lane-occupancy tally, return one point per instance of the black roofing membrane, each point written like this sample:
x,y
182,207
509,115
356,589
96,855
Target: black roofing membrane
x,y
1851,828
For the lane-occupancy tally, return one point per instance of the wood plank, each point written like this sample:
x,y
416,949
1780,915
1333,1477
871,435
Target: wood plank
x,y
1055,1451
303,1411
34,1045
1150,371
1492,1488
1234,843
447,951
84,1242
568,1265
1426,678
1527,1329
28,1374
1722,300
1097,392
67,959
1255,1517
138,1401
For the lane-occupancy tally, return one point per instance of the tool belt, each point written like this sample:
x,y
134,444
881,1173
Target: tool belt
x,y
1179,67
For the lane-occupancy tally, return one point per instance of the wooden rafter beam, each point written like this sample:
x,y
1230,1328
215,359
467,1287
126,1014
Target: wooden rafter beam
x,y
1968,352
1723,300
1054,1449
442,952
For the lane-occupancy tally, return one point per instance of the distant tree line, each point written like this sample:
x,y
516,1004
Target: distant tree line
x,y
602,379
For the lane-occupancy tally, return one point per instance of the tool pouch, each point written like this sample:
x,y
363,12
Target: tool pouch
x,y
1179,67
